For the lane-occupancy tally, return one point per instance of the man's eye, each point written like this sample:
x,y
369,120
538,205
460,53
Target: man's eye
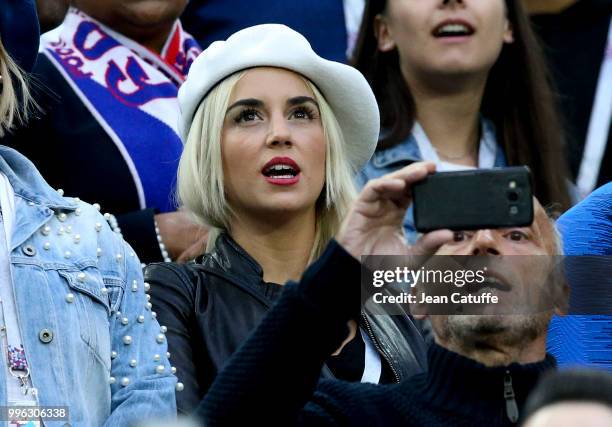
x,y
517,236
459,236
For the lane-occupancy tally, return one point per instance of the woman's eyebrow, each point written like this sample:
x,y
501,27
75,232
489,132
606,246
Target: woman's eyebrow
x,y
247,102
297,100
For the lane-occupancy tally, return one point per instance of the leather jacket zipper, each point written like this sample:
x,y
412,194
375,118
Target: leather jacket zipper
x,y
511,407
378,347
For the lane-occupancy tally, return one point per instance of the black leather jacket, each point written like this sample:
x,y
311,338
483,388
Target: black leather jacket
x,y
211,306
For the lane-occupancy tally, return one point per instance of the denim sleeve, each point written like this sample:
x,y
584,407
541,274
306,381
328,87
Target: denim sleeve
x,y
361,178
142,384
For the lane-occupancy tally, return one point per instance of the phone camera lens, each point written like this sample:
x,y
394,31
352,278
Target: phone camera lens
x,y
513,196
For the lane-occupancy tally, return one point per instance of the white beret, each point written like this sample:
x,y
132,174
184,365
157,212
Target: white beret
x,y
274,45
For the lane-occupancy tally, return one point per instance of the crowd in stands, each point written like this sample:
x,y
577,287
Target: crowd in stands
x,y
188,189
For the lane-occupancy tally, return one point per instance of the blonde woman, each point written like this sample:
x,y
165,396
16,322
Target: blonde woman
x,y
274,134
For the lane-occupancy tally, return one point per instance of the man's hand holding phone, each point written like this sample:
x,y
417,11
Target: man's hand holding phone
x,y
374,223
465,200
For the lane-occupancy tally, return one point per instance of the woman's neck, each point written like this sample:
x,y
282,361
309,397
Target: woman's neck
x,y
451,119
282,250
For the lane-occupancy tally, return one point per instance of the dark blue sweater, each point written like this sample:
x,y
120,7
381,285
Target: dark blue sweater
x,y
273,378
320,21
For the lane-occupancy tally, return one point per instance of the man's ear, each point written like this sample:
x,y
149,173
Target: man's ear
x,y
561,289
382,32
562,300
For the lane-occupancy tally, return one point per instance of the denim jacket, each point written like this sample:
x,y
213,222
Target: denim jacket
x,y
91,340
405,153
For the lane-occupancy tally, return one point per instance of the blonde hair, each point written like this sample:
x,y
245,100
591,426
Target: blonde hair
x,y
14,109
200,172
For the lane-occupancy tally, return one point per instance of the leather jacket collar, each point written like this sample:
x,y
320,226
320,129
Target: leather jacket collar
x,y
229,259
395,337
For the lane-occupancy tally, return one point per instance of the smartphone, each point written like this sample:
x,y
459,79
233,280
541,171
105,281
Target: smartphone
x,y
474,199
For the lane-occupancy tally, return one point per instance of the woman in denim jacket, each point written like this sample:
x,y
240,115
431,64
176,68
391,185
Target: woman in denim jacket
x,y
79,342
461,83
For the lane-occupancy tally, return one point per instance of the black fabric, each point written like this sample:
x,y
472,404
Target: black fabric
x,y
73,152
302,328
211,306
575,42
350,363
138,228
321,22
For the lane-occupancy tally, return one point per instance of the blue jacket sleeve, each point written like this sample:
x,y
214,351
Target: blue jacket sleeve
x,y
142,383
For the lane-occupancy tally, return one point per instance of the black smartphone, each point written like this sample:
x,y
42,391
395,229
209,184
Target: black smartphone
x,y
474,199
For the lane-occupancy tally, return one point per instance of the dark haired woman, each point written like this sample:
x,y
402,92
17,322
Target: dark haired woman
x,y
461,83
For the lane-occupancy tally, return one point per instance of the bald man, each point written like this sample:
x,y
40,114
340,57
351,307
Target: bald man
x,y
481,368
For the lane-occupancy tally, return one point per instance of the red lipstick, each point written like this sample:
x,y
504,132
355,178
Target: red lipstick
x,y
281,171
